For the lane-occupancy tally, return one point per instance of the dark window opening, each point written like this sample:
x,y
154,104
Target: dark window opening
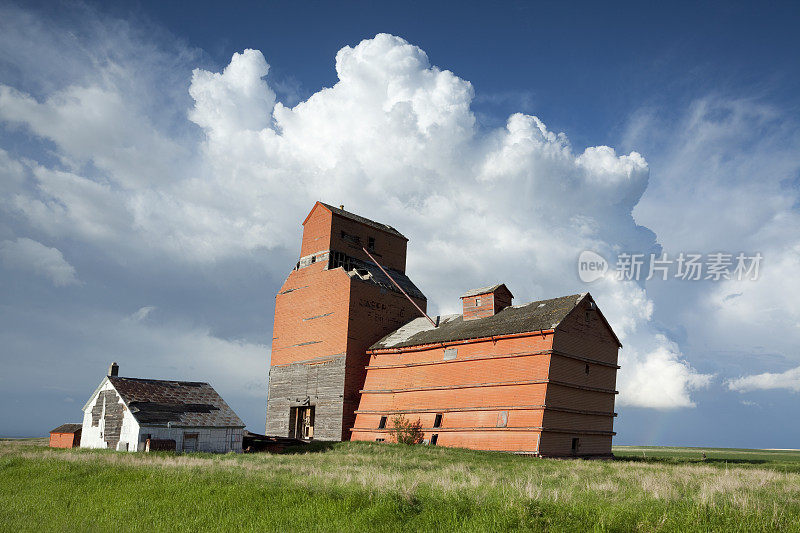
x,y
371,244
575,444
437,422
382,423
379,440
313,258
338,259
588,317
587,369
477,302
355,239
434,439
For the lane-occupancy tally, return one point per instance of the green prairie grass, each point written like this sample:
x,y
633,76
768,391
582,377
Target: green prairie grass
x,y
390,487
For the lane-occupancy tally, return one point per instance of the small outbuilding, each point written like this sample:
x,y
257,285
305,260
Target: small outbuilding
x,y
66,436
135,414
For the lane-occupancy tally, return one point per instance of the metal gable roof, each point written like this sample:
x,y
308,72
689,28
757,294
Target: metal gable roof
x,y
485,290
358,218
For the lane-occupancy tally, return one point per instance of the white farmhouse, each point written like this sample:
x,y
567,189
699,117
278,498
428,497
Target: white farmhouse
x,y
127,414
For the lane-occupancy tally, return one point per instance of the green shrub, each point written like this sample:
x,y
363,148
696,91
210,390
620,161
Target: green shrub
x,y
405,431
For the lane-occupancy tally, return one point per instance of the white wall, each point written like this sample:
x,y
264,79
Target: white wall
x,y
91,435
132,437
130,433
218,440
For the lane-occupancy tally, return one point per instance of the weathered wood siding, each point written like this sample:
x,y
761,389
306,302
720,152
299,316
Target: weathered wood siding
x,y
107,423
318,383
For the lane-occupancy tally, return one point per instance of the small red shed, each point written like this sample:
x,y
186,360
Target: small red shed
x,y
66,436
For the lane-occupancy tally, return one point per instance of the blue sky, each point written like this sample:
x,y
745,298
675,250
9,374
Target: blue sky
x,y
157,161
580,66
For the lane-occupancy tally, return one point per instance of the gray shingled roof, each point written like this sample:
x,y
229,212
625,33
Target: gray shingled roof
x,y
535,316
368,222
369,272
67,428
181,403
484,290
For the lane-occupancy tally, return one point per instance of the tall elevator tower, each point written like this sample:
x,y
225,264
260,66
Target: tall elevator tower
x,y
334,305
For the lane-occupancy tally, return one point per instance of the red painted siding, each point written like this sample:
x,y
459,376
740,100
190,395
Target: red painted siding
x,y
65,440
525,394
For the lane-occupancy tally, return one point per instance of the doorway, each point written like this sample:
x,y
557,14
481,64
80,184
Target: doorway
x,y
301,422
190,442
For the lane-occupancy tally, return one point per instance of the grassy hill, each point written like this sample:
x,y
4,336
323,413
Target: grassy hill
x,y
385,487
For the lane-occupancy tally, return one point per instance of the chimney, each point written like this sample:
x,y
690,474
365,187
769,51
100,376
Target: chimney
x,y
113,370
486,301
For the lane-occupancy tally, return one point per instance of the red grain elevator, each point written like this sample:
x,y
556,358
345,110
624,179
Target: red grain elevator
x,y
334,305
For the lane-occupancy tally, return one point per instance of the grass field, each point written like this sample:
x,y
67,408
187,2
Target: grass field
x,y
384,487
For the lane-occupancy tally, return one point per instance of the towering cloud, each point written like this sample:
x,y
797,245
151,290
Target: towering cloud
x,y
394,139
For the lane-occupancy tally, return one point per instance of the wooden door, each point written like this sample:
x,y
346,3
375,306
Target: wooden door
x,y
301,421
190,442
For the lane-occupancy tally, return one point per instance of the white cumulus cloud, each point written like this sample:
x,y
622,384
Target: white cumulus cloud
x,y
29,255
725,180
789,380
142,313
394,139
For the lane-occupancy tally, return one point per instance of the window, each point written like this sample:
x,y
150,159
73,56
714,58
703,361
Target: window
x,y
437,422
575,444
450,354
313,258
434,439
587,369
371,244
355,239
502,419
477,302
382,423
379,440
588,317
338,259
